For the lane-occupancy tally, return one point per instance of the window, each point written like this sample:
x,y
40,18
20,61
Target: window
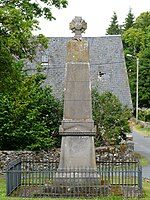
x,y
45,60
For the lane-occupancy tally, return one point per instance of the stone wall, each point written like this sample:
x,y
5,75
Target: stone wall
x,y
144,124
123,152
7,156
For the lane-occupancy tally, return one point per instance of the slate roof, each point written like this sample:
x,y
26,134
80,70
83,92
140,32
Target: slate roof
x,y
107,63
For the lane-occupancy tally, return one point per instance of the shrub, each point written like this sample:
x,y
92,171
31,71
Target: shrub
x,y
29,119
144,114
110,117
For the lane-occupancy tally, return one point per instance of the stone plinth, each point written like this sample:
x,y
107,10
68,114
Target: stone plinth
x,y
77,152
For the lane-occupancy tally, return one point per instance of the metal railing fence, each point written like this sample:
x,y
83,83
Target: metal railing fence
x,y
28,178
13,180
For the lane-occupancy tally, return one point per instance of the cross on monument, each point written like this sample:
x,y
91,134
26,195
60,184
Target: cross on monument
x,y
78,26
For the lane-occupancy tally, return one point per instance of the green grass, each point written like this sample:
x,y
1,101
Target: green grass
x,y
146,193
146,188
144,162
3,191
143,130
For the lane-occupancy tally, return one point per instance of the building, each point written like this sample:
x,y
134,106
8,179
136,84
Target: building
x,y
107,62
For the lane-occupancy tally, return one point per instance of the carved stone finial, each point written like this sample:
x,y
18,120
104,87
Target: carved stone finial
x,y
78,26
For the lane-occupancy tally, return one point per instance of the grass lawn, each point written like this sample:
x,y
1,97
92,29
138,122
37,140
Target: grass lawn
x,y
144,131
144,162
146,188
146,193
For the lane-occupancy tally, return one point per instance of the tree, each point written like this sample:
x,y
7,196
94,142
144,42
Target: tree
x,y
133,40
110,117
28,113
136,42
30,118
18,18
113,28
129,20
143,21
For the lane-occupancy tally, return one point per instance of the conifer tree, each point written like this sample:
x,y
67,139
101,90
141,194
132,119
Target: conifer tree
x,y
114,28
136,41
129,20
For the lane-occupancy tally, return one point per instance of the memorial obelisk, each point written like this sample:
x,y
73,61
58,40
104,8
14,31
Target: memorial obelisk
x,y
77,127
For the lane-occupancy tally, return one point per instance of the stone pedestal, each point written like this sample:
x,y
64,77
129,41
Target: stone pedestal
x,y
77,152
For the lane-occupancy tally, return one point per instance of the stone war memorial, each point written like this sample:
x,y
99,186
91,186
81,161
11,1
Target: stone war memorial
x,y
78,172
77,127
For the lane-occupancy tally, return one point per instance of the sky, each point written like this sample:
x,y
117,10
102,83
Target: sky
x,y
96,13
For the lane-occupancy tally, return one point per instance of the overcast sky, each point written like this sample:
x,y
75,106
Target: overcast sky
x,y
96,13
